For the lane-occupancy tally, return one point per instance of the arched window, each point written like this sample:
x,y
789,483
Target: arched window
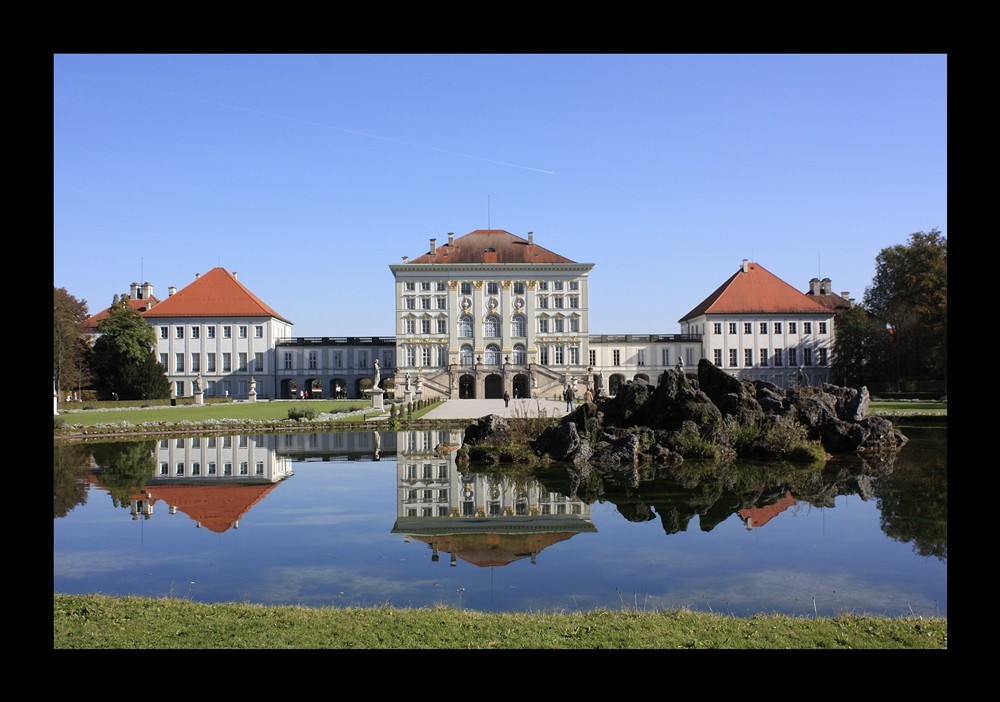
x,y
492,355
465,356
519,357
491,326
518,326
465,327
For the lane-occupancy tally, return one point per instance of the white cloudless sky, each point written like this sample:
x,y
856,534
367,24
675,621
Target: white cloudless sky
x,y
310,174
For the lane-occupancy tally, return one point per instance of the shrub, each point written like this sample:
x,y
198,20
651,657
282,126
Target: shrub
x,y
300,413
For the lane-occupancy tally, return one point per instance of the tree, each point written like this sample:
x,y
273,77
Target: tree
x,y
857,350
122,357
70,367
909,295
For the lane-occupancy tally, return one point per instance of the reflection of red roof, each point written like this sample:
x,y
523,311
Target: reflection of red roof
x,y
759,516
493,549
754,290
215,507
216,294
490,246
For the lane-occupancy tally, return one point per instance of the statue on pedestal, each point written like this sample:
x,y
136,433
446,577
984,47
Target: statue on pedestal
x,y
378,376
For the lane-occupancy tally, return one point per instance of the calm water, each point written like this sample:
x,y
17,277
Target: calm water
x,y
368,519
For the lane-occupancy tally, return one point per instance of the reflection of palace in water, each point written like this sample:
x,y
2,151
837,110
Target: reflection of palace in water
x,y
484,519
214,480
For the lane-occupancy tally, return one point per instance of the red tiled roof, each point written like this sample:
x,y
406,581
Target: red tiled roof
x,y
754,290
93,320
495,549
490,246
215,507
759,516
832,301
216,294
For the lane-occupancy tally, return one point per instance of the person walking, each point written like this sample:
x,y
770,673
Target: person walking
x,y
506,399
588,396
568,395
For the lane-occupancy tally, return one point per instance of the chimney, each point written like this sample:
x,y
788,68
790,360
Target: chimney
x,y
434,246
745,266
236,275
531,238
405,259
826,287
147,290
451,238
133,288
171,290
814,286
197,275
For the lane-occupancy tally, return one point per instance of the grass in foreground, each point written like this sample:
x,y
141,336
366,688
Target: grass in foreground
x,y
100,622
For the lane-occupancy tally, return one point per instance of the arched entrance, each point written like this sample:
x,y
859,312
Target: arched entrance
x,y
520,386
615,383
362,384
641,376
289,389
467,387
338,389
493,387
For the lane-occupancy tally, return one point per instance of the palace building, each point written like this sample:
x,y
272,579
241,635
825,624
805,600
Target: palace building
x,y
479,315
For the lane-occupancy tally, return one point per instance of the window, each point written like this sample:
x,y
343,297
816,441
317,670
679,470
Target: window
x,y
763,357
387,359
258,331
244,468
491,326
560,359
442,326
717,359
288,360
243,331
425,285
822,327
338,358
558,301
732,327
465,355
179,388
227,332
616,357
259,468
163,333
409,286
791,329
258,362
807,357
312,360
163,360
242,358
822,356
664,357
425,326
195,332
543,355
211,363
777,327
574,355
574,302
411,356
465,327
543,285
792,361
425,356
425,303
196,468
211,332
748,357
442,302
519,355
441,287
519,287
777,357
179,470
640,357
543,302
574,285
466,288
747,328
492,355
411,303
227,362
557,285
807,327
763,327
362,359
593,357
574,324
560,325
717,328
179,332
410,325
179,362
227,468
518,326
211,468
543,325
492,288
164,469
196,363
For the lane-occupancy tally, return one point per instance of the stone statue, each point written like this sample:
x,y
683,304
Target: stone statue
x,y
407,388
680,365
378,376
197,384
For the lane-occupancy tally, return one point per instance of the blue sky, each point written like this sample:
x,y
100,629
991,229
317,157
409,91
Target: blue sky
x,y
310,174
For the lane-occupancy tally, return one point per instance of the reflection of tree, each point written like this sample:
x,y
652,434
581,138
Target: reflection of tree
x,y
124,466
913,500
70,463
